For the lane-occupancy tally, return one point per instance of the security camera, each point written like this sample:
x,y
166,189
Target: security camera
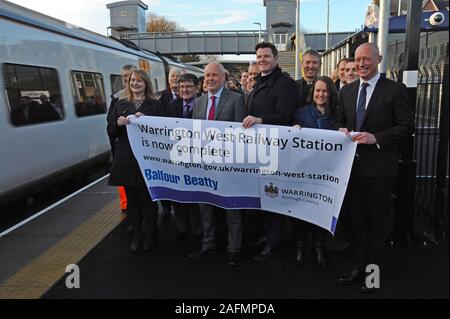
x,y
437,18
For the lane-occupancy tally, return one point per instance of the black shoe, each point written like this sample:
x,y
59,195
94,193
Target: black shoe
x,y
299,256
260,242
179,237
340,248
199,254
233,259
264,255
197,240
129,230
148,245
135,245
321,258
366,290
354,275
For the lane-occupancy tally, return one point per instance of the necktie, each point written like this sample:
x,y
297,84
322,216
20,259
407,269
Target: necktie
x,y
186,110
212,109
361,109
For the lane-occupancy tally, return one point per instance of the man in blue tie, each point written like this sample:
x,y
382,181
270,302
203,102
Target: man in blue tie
x,y
186,215
377,110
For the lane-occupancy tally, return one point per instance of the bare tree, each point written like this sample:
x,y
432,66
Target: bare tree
x,y
189,58
156,23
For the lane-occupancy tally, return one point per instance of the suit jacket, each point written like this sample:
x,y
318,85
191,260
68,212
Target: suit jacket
x,y
388,116
303,92
166,97
231,107
175,109
110,117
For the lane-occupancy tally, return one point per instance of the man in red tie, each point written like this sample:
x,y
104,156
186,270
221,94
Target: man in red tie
x,y
220,104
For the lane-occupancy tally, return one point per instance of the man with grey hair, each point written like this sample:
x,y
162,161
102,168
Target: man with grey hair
x,y
168,95
219,104
171,93
253,72
310,69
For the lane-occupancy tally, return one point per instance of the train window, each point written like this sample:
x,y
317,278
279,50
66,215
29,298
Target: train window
x,y
116,83
89,93
33,94
158,76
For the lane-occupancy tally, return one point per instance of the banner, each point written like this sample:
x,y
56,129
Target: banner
x,y
302,173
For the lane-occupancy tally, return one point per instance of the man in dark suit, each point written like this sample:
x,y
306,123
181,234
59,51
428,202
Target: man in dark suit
x,y
168,95
116,96
186,214
273,100
310,68
378,110
341,74
220,104
171,93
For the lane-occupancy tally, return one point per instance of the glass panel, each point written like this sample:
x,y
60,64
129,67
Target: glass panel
x,y
33,94
157,76
116,83
89,94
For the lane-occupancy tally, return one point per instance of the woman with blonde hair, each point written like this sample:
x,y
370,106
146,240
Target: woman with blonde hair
x,y
125,171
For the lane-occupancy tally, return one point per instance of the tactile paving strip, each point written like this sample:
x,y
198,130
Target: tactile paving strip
x,y
33,280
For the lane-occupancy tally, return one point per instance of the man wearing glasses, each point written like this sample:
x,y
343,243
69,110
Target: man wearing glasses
x,y
186,215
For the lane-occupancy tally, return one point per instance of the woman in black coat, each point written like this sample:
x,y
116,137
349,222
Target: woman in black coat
x,y
125,170
320,114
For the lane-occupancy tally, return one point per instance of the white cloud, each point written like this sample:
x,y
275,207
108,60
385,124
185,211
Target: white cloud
x,y
247,1
89,14
230,17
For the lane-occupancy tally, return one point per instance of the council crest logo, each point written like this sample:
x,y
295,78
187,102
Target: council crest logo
x,y
271,191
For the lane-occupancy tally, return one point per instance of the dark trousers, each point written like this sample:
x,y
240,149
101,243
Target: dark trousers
x,y
370,216
187,216
303,229
166,204
255,224
140,205
274,229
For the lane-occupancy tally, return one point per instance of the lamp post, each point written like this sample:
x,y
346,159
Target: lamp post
x,y
259,34
297,39
327,39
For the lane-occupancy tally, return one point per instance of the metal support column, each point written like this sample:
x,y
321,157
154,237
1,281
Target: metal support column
x,y
404,215
297,40
383,33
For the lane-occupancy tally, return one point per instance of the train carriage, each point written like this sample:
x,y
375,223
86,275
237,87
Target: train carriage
x,y
55,85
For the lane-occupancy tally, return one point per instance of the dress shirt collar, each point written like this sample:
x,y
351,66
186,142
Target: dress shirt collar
x,y
372,82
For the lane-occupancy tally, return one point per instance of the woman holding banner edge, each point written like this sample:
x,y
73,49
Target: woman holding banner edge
x,y
125,170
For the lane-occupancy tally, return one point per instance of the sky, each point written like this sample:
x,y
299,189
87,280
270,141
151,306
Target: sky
x,y
207,15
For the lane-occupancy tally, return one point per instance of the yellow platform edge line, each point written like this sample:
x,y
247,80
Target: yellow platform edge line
x,y
38,276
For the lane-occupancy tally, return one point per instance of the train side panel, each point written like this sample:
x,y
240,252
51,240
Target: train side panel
x,y
29,152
